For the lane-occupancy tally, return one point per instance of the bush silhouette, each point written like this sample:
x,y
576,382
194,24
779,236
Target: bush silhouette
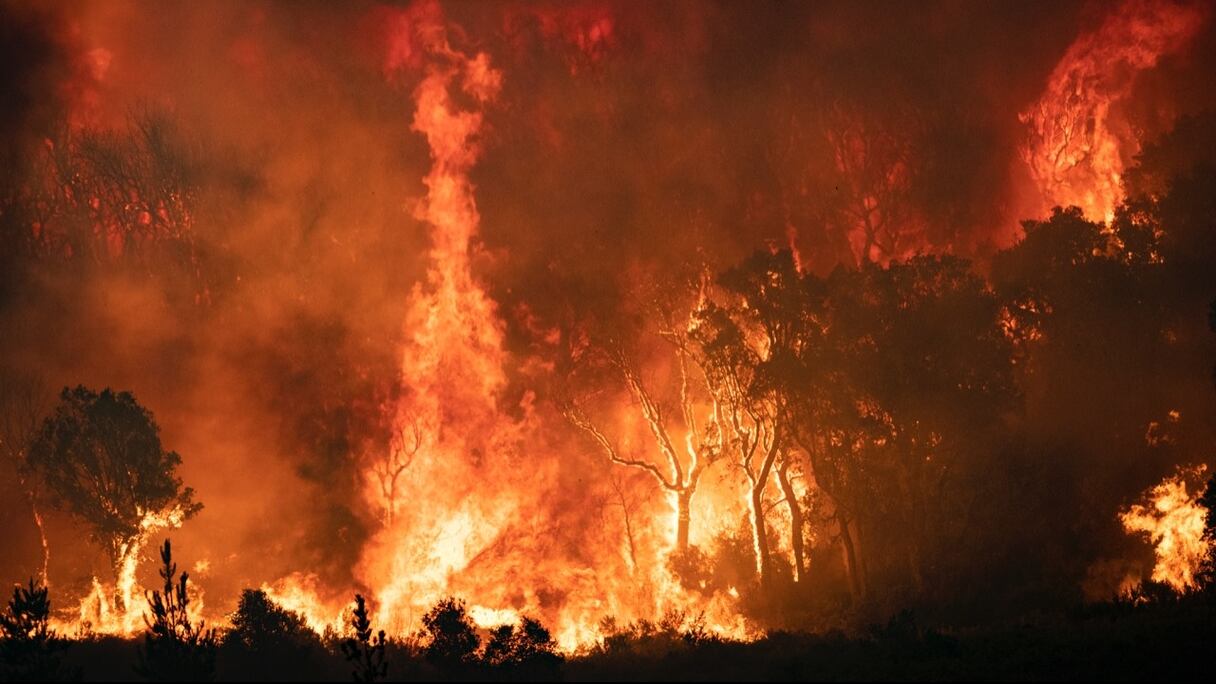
x,y
29,648
526,650
450,633
260,624
267,642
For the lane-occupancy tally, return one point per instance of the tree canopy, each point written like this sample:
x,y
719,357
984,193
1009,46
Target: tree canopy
x,y
101,457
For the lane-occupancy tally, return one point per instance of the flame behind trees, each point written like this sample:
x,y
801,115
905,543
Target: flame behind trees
x,y
870,396
858,385
1077,143
1175,522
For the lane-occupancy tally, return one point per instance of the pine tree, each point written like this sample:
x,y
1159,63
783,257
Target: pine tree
x,y
175,649
365,651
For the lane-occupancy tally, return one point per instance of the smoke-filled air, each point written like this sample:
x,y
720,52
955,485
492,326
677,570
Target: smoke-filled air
x,y
591,339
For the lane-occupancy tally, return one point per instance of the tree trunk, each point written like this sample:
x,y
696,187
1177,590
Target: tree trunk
x,y
32,499
859,548
683,505
759,535
791,500
46,547
850,557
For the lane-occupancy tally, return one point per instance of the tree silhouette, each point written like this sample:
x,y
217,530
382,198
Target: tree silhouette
x,y
363,649
1207,573
29,648
259,624
451,635
175,648
101,458
922,382
754,340
526,650
393,462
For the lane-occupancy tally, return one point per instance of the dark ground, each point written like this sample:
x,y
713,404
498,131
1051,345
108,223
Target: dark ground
x,y
1172,639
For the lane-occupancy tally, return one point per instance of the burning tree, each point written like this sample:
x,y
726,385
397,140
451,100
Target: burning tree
x,y
112,194
1076,140
681,468
23,403
393,463
101,458
749,343
874,163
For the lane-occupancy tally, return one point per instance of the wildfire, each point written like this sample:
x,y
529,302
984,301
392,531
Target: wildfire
x,y
1077,142
118,609
474,495
1174,522
299,594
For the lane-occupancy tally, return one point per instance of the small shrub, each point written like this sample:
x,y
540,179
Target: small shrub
x,y
175,649
29,648
267,641
526,650
451,636
259,624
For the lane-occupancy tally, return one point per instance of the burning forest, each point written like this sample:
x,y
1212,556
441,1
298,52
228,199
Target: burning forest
x,y
600,339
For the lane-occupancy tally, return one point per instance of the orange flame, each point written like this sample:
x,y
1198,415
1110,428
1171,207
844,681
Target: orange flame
x,y
1174,522
117,609
1077,141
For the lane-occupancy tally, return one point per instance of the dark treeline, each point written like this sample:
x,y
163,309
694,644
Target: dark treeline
x,y
935,433
268,643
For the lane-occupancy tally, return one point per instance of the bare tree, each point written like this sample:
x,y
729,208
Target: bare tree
x,y
873,160
627,506
23,403
681,468
395,460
